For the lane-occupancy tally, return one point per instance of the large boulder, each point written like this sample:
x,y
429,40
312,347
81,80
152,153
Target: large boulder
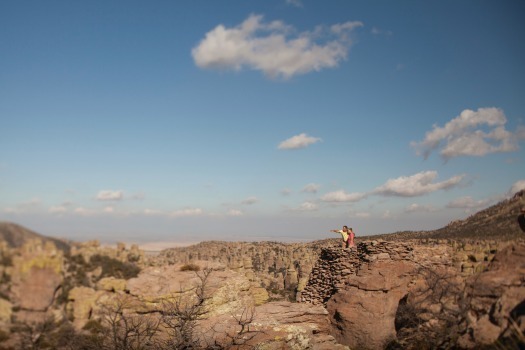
x,y
362,314
496,300
36,276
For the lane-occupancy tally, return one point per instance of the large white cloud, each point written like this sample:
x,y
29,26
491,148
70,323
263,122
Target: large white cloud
x,y
274,47
298,141
108,195
416,185
342,196
472,133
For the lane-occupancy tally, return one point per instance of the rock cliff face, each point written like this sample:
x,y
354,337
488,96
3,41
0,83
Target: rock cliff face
x,y
278,266
414,294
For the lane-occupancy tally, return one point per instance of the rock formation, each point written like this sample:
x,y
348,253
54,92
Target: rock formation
x,y
372,294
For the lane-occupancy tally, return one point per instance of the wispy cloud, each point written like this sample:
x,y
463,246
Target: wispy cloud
x,y
311,188
342,196
109,195
415,207
308,206
186,212
83,211
416,185
250,200
296,3
234,212
298,141
286,191
472,133
32,205
274,48
468,203
59,209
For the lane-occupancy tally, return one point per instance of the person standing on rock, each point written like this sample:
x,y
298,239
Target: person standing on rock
x,y
345,233
521,218
351,236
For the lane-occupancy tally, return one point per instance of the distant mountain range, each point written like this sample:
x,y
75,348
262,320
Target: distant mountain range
x,y
16,235
496,222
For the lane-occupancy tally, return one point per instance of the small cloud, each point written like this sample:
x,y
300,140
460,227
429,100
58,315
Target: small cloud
x,y
472,133
416,185
250,200
82,211
387,215
342,196
516,187
308,206
311,188
186,212
298,141
152,212
377,31
274,48
138,196
234,212
296,3
60,209
109,210
108,195
414,207
286,192
361,215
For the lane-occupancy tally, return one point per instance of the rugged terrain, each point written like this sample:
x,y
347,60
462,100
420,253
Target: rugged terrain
x,y
461,286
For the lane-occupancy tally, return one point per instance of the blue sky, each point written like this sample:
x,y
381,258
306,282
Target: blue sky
x,y
178,122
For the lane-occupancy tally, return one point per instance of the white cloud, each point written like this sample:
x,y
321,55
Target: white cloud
x,y
108,195
286,191
416,185
311,188
271,48
83,211
468,203
186,212
361,215
152,212
234,212
60,209
516,187
415,207
250,200
296,3
308,206
472,133
298,141
138,196
109,209
342,196
387,215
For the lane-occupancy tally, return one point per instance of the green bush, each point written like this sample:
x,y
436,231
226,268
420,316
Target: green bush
x,y
113,267
190,267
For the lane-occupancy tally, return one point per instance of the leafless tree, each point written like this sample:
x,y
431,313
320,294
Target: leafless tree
x,y
180,316
125,329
